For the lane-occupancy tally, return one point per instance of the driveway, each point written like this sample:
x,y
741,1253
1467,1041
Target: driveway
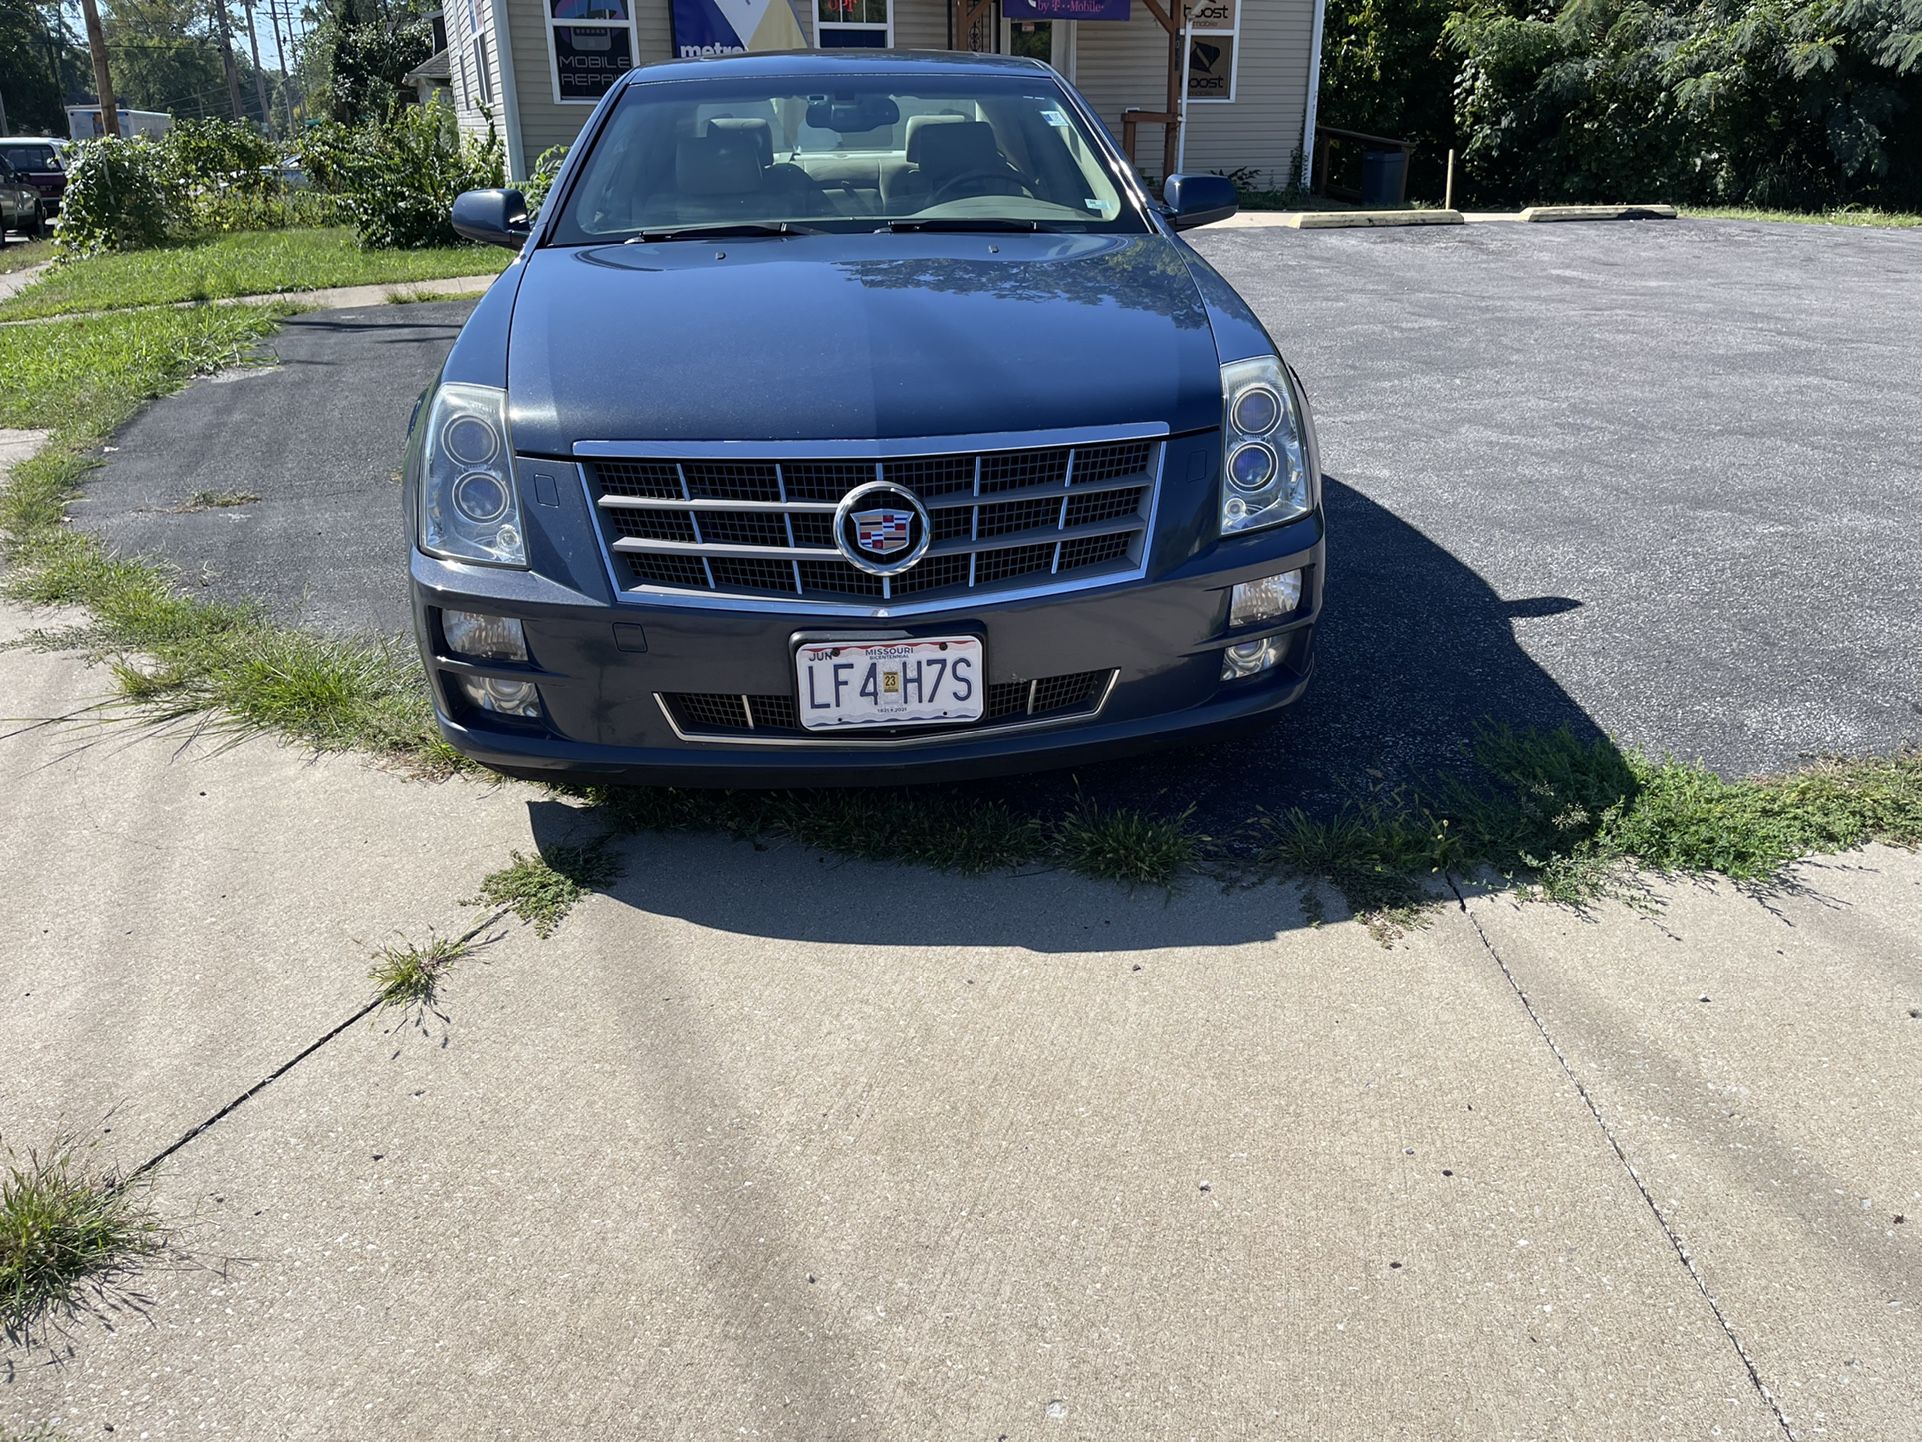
x,y
1653,480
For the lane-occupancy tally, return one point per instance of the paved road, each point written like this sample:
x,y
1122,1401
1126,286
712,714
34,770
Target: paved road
x,y
1652,480
835,1151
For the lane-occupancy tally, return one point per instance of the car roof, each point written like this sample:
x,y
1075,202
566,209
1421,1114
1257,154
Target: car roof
x,y
30,140
799,64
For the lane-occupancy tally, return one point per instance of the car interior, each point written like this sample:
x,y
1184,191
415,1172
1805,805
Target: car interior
x,y
819,158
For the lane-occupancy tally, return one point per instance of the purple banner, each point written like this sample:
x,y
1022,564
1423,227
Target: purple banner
x,y
1019,10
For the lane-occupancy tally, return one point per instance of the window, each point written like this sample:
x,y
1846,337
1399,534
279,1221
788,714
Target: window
x,y
845,24
985,152
590,45
1213,28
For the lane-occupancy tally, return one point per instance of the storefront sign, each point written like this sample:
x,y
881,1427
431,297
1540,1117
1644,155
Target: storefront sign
x,y
1019,10
727,27
590,58
1211,67
1211,14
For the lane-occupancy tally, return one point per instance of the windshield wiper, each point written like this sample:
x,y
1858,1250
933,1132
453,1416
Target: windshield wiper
x,y
967,223
723,230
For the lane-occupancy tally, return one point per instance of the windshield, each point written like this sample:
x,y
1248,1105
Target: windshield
x,y
29,157
845,153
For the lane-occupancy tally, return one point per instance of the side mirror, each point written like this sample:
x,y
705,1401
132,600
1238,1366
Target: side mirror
x,y
493,217
1199,199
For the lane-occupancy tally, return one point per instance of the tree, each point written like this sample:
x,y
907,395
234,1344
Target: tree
x,y
41,69
363,49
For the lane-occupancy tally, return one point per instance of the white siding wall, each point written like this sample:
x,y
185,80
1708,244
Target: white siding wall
x,y
1122,66
1116,65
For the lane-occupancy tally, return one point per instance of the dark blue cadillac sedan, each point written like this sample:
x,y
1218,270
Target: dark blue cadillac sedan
x,y
850,418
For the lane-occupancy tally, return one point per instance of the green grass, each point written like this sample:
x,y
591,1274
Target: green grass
x,y
68,1236
20,254
242,264
541,890
1579,820
407,976
1845,215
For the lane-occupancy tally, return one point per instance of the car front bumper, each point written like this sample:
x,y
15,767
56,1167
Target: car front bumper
x,y
1160,641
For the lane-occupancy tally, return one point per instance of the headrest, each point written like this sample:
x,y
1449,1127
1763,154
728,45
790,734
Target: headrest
x,y
721,164
918,124
756,130
956,149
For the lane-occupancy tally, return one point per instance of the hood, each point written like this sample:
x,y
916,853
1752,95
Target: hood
x,y
854,337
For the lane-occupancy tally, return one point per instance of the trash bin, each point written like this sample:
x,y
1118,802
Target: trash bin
x,y
1383,178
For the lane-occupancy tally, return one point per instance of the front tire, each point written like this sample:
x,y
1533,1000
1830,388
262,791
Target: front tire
x,y
38,229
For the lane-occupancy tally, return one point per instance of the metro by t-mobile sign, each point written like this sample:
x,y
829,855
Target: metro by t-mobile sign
x,y
728,27
1019,10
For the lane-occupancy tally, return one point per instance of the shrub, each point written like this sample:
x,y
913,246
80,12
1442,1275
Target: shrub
x,y
116,197
547,167
401,186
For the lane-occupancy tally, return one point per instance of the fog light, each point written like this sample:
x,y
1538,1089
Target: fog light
x,y
1250,658
507,698
1264,599
483,638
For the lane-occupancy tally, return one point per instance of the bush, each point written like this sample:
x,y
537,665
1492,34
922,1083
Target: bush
x,y
116,197
400,179
547,167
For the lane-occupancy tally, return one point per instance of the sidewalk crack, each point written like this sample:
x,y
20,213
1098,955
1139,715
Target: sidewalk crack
x,y
280,1071
1608,1133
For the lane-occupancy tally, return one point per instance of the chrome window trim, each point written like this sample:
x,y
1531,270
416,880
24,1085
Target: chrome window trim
x,y
1122,572
889,743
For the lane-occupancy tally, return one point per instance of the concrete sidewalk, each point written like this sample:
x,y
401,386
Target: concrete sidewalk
x,y
765,1144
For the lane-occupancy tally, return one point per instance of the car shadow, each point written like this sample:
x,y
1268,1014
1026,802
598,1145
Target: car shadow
x,y
1417,653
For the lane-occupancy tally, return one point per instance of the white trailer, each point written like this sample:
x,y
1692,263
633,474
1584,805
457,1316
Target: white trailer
x,y
83,122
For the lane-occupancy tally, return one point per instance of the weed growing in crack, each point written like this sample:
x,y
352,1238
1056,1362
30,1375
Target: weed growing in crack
x,y
71,1237
541,890
410,976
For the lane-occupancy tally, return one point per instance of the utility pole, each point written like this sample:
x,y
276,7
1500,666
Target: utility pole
x,y
227,58
260,79
103,82
280,49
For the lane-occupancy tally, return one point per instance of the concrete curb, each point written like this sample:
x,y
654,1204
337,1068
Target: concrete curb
x,y
1349,219
1599,212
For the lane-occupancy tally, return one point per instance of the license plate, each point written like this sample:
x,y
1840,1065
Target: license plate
x,y
843,684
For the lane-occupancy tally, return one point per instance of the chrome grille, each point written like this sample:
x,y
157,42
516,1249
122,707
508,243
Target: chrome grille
x,y
709,712
1000,520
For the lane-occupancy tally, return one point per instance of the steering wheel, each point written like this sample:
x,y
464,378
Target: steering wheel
x,y
1003,177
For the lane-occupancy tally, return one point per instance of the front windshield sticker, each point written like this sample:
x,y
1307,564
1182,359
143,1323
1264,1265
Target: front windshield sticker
x,y
1055,117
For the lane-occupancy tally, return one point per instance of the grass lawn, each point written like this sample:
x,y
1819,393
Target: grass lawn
x,y
1850,215
248,263
20,254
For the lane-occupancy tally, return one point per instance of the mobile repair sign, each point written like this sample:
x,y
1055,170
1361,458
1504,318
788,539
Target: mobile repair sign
x,y
728,27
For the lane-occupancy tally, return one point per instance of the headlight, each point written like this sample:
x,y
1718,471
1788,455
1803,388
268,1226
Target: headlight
x,y
1268,469
469,510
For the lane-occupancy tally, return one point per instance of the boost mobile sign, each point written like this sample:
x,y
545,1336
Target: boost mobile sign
x,y
728,27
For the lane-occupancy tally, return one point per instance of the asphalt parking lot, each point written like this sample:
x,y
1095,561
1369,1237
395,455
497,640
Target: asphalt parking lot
x,y
1652,480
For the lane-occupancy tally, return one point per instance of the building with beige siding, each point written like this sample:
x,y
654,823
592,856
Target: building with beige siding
x,y
537,67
